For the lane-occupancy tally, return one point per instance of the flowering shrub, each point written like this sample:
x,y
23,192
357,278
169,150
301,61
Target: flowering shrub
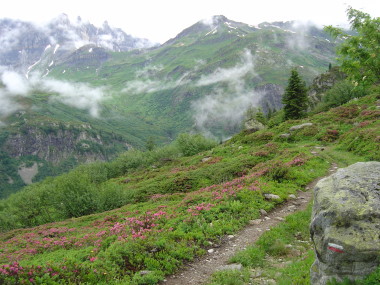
x,y
330,136
155,235
347,112
364,124
261,153
370,114
297,161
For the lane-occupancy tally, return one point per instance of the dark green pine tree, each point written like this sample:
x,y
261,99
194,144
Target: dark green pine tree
x,y
295,97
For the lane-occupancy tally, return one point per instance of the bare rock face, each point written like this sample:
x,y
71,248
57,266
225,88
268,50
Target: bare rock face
x,y
298,127
345,226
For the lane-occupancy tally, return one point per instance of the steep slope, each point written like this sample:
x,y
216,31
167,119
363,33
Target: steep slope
x,y
209,74
204,80
175,208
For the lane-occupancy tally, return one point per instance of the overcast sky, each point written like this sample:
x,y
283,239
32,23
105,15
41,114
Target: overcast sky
x,y
160,20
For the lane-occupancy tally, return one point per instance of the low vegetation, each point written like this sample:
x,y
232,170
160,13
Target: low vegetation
x,y
173,206
142,216
282,256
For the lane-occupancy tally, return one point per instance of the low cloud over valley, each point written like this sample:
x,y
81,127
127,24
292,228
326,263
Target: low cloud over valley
x,y
77,95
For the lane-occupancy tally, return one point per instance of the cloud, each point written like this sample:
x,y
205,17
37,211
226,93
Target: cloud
x,y
299,39
77,95
149,85
224,108
149,82
15,83
232,75
210,21
9,37
7,104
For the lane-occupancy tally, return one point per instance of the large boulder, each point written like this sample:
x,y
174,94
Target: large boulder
x,y
345,225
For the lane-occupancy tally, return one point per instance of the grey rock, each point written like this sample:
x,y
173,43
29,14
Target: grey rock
x,y
233,266
271,197
255,222
298,127
263,212
292,196
285,136
345,224
145,272
256,273
253,125
207,158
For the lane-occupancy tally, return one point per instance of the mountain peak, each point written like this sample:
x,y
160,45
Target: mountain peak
x,y
64,35
62,19
106,26
214,20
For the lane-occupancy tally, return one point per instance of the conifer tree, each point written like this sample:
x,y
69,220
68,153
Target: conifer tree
x,y
295,97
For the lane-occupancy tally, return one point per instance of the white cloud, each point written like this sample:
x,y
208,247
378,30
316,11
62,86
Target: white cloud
x,y
78,95
15,83
299,39
225,107
232,75
9,38
149,85
7,104
165,19
149,82
210,21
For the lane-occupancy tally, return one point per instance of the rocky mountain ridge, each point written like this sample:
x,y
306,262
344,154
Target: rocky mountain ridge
x,y
24,44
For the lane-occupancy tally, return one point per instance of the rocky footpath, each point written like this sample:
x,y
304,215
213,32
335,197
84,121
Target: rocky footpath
x,y
345,225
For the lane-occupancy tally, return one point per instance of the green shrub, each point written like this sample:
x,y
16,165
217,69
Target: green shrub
x,y
278,171
193,144
341,93
230,277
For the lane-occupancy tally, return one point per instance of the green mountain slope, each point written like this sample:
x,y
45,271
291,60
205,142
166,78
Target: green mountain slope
x,y
204,79
165,86
175,206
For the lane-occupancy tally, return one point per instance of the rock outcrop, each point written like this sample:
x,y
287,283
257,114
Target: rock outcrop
x,y
298,127
322,83
345,226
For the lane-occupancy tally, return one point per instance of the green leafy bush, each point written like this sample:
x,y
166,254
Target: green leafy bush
x,y
193,144
341,93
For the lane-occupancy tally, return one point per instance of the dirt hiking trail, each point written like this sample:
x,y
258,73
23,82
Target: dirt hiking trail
x,y
200,269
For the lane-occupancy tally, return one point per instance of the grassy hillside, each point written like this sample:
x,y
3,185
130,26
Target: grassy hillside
x,y
202,80
159,86
174,205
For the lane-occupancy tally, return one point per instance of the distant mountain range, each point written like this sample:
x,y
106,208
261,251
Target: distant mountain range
x,y
23,43
73,93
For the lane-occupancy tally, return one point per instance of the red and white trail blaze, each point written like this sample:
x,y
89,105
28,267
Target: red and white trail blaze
x,y
335,247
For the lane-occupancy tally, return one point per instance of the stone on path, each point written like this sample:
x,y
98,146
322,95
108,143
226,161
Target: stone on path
x,y
272,197
233,266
